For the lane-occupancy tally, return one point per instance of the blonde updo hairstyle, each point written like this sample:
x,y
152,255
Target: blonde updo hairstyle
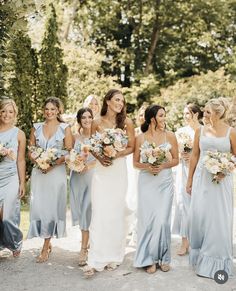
x,y
6,102
58,104
220,106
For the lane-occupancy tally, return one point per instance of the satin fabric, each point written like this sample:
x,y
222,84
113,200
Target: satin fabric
x,y
182,198
10,234
80,194
155,196
108,224
211,215
48,191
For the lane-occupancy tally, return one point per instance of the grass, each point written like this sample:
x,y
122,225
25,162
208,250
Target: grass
x,y
24,223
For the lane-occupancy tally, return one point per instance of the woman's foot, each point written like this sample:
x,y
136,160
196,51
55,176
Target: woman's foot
x,y
165,267
89,272
83,256
151,269
111,267
44,256
182,251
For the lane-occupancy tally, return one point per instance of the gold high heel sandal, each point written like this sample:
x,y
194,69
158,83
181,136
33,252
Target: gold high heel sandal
x,y
83,256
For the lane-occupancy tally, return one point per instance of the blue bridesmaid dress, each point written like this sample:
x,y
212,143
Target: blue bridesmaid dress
x,y
183,199
10,235
80,193
155,196
48,191
211,215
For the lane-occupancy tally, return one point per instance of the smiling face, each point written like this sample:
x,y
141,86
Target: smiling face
x,y
116,103
187,115
50,111
7,115
93,105
209,115
140,117
161,118
86,120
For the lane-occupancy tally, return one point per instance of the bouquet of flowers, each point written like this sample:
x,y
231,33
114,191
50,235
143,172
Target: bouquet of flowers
x,y
6,151
44,158
185,142
109,142
76,158
218,163
152,154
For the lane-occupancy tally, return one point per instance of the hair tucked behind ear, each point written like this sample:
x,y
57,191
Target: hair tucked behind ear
x,y
150,112
80,114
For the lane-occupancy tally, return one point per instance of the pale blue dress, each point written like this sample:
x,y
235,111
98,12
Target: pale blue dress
x,y
211,215
182,198
48,191
80,193
10,234
155,196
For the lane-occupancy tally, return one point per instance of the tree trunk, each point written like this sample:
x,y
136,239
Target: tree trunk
x,y
154,39
75,7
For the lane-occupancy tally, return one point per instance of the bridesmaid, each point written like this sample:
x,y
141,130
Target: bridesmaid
x,y
155,194
192,118
211,210
109,187
92,102
80,184
12,178
49,188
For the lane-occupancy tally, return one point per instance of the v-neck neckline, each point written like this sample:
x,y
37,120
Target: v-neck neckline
x,y
48,139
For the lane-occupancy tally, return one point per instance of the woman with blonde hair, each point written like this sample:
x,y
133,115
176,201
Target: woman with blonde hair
x,y
211,209
92,102
12,177
49,186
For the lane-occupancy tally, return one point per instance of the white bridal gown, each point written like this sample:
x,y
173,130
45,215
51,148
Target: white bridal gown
x,y
108,223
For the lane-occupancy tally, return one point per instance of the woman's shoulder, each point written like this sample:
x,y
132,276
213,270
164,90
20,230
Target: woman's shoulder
x,y
63,125
170,134
37,125
128,121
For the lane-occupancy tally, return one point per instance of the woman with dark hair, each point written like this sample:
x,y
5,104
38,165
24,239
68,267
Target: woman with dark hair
x,y
49,187
155,193
192,118
80,183
109,186
12,177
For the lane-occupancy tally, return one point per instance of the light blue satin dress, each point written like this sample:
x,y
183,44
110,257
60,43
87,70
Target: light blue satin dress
x,y
155,196
10,234
48,191
183,199
211,215
80,193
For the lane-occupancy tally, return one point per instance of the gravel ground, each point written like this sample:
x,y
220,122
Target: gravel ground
x,y
61,272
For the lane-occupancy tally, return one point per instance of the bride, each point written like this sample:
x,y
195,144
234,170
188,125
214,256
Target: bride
x,y
109,187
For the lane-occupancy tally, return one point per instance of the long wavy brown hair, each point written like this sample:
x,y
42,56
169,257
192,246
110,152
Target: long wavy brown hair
x,y
57,103
120,117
